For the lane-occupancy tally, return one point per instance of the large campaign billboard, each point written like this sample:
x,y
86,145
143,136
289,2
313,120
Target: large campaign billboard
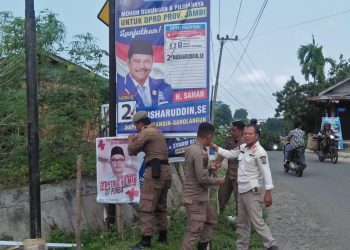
x,y
162,54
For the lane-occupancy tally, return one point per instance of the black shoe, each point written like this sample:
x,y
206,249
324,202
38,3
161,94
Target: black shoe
x,y
145,242
202,245
273,248
163,239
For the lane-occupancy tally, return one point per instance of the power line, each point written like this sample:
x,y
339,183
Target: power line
x,y
250,38
256,21
304,22
261,76
239,11
256,78
256,89
241,105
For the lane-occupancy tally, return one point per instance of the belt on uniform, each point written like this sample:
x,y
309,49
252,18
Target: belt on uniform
x,y
161,162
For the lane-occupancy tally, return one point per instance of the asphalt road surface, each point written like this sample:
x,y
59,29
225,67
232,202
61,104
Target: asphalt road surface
x,y
325,188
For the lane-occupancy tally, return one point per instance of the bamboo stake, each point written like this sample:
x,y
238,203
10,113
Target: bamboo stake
x,y
120,222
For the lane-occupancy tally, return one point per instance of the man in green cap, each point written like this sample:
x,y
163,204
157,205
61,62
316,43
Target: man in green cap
x,y
157,179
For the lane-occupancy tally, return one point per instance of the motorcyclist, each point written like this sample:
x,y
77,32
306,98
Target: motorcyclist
x,y
295,140
322,136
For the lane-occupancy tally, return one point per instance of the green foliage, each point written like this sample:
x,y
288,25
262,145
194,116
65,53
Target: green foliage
x,y
85,52
312,61
271,131
241,114
224,237
221,135
69,100
292,104
339,71
51,32
223,114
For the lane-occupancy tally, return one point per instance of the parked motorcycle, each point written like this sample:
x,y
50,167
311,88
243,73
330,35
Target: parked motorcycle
x,y
330,151
296,164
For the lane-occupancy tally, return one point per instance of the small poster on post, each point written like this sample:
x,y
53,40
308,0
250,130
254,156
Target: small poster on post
x,y
117,172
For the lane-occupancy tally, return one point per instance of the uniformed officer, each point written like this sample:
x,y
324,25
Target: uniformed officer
x,y
201,216
137,85
232,141
157,179
254,187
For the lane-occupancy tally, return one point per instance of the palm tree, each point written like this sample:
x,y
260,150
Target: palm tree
x,y
312,61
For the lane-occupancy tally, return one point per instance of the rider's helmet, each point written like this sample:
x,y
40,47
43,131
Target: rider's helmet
x,y
327,125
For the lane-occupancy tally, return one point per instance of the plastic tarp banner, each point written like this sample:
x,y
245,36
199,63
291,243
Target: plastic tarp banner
x,y
117,172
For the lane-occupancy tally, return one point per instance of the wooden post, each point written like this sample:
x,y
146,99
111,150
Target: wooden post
x,y
120,221
78,201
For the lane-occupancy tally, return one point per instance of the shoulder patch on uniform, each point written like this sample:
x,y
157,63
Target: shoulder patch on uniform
x,y
263,159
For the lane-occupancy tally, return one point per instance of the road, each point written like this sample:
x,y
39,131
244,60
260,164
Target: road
x,y
325,188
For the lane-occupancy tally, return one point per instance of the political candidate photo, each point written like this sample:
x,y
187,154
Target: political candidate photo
x,y
117,172
138,85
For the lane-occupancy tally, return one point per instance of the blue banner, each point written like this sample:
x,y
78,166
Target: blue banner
x,y
336,127
162,53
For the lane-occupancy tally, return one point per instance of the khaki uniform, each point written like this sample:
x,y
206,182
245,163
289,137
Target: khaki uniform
x,y
254,176
230,184
201,215
153,204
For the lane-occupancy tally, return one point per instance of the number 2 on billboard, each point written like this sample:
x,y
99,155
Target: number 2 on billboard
x,y
126,110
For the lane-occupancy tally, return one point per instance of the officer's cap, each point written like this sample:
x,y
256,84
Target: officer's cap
x,y
140,47
139,116
117,151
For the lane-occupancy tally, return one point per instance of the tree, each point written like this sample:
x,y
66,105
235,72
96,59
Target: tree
x,y
292,104
86,53
339,71
223,114
241,114
312,61
69,101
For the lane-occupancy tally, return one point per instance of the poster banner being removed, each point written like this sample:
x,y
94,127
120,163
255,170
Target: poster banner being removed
x,y
163,63
336,127
117,172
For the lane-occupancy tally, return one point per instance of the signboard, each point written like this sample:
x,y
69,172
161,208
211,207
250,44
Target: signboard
x,y
336,127
162,54
117,172
103,15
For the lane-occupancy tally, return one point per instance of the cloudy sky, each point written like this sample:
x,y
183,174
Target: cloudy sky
x,y
271,56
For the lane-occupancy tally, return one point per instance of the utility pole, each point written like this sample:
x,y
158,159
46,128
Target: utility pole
x,y
33,121
112,93
213,101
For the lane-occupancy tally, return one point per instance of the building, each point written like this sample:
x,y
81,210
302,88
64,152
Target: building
x,y
336,103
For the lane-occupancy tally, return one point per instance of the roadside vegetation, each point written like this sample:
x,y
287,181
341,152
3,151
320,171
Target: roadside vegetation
x,y
69,93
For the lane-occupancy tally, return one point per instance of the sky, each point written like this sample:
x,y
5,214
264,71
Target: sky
x,y
270,59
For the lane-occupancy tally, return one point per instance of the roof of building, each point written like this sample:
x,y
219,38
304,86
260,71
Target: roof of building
x,y
338,92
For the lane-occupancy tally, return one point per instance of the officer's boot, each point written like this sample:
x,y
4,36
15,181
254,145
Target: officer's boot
x,y
202,245
145,242
163,239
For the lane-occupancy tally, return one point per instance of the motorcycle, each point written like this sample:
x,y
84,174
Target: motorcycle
x,y
330,151
296,164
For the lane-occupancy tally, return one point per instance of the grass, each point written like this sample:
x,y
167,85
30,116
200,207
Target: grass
x,y
224,236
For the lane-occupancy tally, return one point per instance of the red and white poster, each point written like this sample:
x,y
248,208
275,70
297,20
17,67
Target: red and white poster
x,y
117,172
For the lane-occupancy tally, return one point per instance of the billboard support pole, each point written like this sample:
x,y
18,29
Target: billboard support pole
x,y
112,93
33,121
